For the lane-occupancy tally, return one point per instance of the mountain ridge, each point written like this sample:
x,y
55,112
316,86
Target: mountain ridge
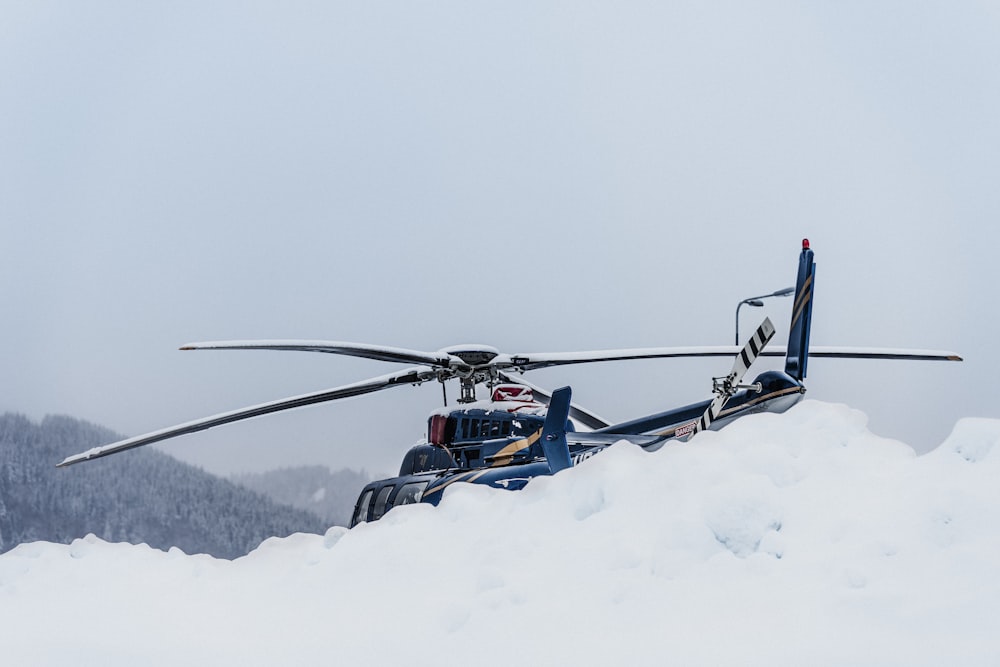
x,y
146,496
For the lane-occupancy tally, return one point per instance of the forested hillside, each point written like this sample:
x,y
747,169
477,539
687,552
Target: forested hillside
x,y
139,496
316,489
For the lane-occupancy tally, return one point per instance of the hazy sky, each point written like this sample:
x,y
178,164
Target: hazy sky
x,y
538,176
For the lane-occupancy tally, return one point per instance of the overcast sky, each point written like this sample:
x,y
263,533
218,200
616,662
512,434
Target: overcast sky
x,y
538,176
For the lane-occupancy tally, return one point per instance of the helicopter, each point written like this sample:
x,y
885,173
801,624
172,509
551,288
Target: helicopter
x,y
522,431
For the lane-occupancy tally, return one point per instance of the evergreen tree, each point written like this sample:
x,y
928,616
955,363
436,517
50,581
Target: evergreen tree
x,y
141,496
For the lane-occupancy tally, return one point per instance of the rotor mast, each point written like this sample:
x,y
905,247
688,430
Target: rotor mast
x,y
478,369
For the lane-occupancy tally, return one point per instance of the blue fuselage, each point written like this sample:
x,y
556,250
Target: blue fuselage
x,y
504,449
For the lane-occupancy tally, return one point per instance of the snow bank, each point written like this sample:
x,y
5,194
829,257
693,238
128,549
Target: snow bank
x,y
784,539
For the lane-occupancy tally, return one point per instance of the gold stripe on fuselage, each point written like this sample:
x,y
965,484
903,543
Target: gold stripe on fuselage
x,y
506,455
501,458
775,394
465,477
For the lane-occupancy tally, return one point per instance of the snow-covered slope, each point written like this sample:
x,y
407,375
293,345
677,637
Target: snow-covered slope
x,y
784,539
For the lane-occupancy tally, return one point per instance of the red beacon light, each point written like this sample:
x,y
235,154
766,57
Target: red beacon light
x,y
437,429
805,244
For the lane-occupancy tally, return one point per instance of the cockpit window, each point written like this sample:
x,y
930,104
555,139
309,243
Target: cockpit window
x,y
410,493
380,499
361,511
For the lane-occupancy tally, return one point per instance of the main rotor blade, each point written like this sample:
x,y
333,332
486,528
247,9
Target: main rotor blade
x,y
875,353
580,414
836,352
415,375
379,352
536,360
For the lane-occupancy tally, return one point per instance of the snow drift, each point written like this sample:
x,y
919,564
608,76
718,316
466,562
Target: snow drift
x,y
784,539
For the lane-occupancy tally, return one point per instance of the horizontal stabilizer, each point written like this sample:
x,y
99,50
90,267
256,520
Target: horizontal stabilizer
x,y
610,438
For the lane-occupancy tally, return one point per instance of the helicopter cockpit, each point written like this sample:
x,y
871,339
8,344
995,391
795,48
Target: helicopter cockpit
x,y
377,498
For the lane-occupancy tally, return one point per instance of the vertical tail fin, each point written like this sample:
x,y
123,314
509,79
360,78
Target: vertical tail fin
x,y
798,337
553,439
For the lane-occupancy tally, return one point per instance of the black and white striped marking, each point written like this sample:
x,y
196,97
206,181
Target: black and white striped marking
x,y
745,359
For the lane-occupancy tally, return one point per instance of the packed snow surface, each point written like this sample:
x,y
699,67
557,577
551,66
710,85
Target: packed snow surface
x,y
782,540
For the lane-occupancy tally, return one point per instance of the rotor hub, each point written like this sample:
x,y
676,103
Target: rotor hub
x,y
473,354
